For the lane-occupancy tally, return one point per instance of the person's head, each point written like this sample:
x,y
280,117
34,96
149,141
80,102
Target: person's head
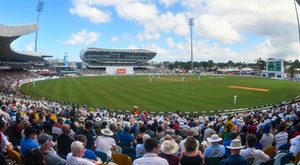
x,y
169,147
267,128
143,129
146,137
233,135
77,149
88,125
45,141
190,132
34,156
151,145
214,139
3,125
281,127
82,138
60,120
30,132
235,146
191,144
251,140
66,129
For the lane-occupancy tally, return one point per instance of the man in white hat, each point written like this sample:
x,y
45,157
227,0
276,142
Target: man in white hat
x,y
235,158
215,149
105,143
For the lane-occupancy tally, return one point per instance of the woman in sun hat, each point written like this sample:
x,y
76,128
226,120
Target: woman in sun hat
x,y
215,149
169,149
105,143
235,158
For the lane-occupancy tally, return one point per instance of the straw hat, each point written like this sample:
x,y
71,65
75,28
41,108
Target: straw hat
x,y
169,147
235,144
214,138
107,132
135,107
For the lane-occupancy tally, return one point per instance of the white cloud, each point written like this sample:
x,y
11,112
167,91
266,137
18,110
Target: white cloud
x,y
30,47
114,39
224,30
86,10
83,37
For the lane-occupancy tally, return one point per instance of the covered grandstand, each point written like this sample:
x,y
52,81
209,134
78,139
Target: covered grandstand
x,y
13,59
117,61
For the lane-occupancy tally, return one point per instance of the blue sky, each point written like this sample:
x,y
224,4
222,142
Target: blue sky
x,y
237,30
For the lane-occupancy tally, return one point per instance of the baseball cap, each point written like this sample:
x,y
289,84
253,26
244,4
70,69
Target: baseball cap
x,y
43,138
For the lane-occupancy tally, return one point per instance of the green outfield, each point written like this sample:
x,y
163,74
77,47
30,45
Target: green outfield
x,y
165,93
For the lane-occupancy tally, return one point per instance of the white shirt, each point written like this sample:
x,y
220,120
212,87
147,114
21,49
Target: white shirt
x,y
280,139
3,143
72,160
150,158
104,144
295,145
258,155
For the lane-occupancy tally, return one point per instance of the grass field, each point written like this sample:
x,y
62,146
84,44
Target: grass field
x,y
165,93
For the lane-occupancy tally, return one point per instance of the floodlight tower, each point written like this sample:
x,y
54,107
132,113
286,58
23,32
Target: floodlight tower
x,y
191,24
39,9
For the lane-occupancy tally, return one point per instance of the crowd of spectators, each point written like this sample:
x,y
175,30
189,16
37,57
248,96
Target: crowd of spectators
x,y
173,138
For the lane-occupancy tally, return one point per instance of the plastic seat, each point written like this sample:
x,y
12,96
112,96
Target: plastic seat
x,y
121,159
212,160
130,152
270,151
286,158
101,155
297,158
14,155
278,158
270,162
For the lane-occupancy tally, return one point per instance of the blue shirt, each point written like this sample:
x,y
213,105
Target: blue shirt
x,y
125,137
214,151
89,154
27,144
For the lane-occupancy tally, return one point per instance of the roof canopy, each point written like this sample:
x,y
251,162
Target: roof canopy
x,y
10,33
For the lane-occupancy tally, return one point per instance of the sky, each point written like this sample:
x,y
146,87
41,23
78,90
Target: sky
x,y
223,30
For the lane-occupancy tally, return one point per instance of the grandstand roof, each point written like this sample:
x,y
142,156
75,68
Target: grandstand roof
x,y
10,33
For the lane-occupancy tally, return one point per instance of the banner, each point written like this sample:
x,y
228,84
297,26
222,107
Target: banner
x,y
121,71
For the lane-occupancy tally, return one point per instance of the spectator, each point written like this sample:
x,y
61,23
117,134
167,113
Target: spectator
x,y
169,149
88,127
253,154
151,157
190,133
28,142
17,128
34,156
105,143
267,138
46,148
281,137
56,129
235,158
215,149
75,157
4,143
233,135
126,138
64,140
140,148
191,155
295,145
89,154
